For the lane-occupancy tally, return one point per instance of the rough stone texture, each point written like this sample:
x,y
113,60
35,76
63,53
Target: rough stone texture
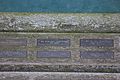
x,y
58,76
34,67
48,22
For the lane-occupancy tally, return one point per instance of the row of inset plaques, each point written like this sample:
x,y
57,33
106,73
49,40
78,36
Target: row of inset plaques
x,y
83,42
59,54
60,42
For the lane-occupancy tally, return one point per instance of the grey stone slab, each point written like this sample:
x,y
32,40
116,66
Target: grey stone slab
x,y
53,54
59,67
53,42
13,77
60,22
13,42
13,54
97,42
58,76
96,54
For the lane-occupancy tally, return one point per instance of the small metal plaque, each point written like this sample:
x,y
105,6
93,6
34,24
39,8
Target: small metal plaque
x,y
13,42
53,54
97,42
53,42
13,54
97,54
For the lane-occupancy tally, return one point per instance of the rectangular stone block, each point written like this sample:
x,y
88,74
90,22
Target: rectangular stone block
x,y
58,76
13,42
97,42
13,54
53,54
53,42
96,54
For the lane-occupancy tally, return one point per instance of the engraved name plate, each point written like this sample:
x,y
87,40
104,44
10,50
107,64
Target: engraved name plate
x,y
97,42
96,54
13,42
53,54
13,54
53,42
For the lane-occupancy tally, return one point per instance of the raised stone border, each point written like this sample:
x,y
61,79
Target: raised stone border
x,y
50,67
60,22
58,76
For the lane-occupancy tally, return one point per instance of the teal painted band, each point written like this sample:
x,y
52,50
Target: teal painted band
x,y
63,6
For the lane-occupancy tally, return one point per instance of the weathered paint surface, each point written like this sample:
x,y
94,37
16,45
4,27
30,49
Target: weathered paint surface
x,y
60,5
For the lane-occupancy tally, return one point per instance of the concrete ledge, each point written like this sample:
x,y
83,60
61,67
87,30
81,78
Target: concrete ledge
x,y
60,22
57,76
27,67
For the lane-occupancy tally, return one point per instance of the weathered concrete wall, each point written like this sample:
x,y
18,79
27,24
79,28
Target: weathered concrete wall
x,y
50,22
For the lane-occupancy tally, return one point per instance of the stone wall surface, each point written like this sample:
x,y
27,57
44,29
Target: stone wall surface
x,y
59,46
60,22
69,52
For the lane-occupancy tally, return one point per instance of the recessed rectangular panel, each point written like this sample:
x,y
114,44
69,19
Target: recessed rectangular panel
x,y
13,54
96,55
53,54
53,42
13,42
97,42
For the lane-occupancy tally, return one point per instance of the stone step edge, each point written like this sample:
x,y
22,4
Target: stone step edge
x,y
60,22
60,68
58,76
